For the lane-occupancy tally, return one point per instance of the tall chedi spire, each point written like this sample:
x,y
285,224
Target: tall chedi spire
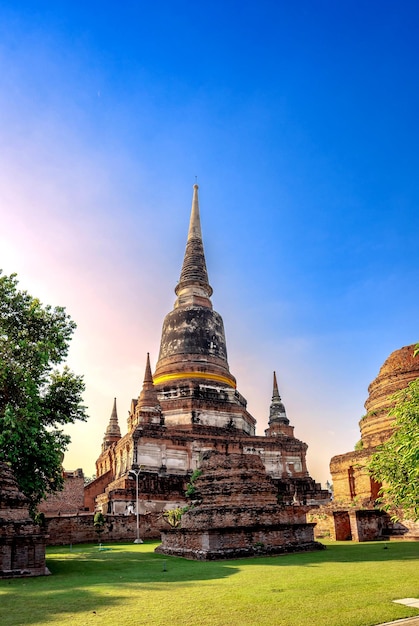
x,y
113,432
193,286
193,352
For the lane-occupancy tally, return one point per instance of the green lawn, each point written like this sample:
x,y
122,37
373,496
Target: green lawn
x,y
345,585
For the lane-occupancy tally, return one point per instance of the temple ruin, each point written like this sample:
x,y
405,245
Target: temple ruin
x,y
354,513
189,406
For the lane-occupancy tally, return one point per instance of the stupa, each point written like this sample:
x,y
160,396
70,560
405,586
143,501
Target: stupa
x,y
351,479
354,513
236,514
191,405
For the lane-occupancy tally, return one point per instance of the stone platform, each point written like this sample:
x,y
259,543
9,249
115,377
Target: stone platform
x,y
236,515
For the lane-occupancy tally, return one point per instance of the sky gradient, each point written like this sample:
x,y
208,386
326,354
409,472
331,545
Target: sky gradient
x,y
300,121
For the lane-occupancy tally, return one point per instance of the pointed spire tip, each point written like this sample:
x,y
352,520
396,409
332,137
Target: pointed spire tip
x,y
193,277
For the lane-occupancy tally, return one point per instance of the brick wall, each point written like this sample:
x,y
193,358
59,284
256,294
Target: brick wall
x,y
68,529
70,499
95,488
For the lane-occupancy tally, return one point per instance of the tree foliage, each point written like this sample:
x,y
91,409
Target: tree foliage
x,y
36,398
396,462
99,522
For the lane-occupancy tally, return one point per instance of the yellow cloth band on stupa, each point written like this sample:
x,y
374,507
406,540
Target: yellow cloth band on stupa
x,y
158,380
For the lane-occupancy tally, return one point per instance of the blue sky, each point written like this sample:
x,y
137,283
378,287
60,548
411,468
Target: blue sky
x,y
299,120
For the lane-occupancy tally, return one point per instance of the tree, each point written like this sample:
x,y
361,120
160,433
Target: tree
x,y
396,462
99,522
35,397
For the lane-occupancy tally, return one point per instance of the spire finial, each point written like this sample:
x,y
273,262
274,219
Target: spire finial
x,y
195,221
275,393
193,282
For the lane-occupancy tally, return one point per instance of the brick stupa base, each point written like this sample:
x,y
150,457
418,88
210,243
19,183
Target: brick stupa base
x,y
238,515
22,544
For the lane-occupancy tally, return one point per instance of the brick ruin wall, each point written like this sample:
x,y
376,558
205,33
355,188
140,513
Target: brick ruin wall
x,y
96,487
341,524
338,525
351,480
69,529
69,500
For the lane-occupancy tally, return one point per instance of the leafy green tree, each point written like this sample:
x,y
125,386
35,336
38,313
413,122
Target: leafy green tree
x,y
35,397
396,462
99,522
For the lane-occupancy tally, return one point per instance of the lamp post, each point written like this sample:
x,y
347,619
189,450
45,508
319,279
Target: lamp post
x,y
136,473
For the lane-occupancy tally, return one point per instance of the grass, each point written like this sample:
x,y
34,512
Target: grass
x,y
345,585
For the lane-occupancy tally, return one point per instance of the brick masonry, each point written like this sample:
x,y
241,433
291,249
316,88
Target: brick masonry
x,y
22,542
68,501
69,529
353,513
235,514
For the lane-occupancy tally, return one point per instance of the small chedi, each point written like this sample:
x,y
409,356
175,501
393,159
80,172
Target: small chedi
x,y
236,514
354,511
351,480
22,544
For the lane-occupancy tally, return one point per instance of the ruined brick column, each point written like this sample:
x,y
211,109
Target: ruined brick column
x,y
22,543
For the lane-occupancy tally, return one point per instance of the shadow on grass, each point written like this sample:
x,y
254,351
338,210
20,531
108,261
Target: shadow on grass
x,y
35,605
87,580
